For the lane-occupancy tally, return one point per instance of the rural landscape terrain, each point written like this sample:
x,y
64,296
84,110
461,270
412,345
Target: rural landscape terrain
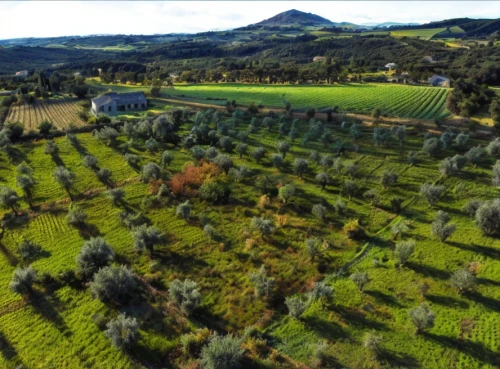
x,y
295,193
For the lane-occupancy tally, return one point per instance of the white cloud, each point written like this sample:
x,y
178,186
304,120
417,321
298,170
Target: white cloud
x,y
58,18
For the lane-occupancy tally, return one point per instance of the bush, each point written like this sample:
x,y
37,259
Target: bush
x,y
389,179
319,211
349,187
115,195
45,127
114,284
431,146
150,171
185,294
441,228
431,193
320,291
470,208
166,159
286,192
403,251
258,153
300,166
488,217
263,225
183,210
296,306
222,353
16,130
312,247
360,279
94,255
146,238
76,217
90,161
123,331
373,342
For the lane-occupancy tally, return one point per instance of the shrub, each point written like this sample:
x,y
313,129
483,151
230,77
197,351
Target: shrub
x,y
90,161
300,166
222,353
263,284
114,284
349,187
373,342
191,178
389,179
463,280
108,134
104,175
211,153
166,159
22,281
476,155
122,331
322,179
185,294
226,144
283,147
51,148
470,208
9,199
340,206
45,127
431,146
94,255
258,153
29,250
151,145
240,174
209,231
403,251
320,291
360,279
224,161
296,306
133,160
412,157
213,191
422,317
263,225
277,161
16,129
493,148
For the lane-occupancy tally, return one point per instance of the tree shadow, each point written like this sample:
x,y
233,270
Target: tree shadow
x,y
427,270
88,231
399,360
12,221
474,349
326,329
447,301
488,302
486,251
16,156
359,319
488,281
44,305
11,258
384,298
57,160
8,351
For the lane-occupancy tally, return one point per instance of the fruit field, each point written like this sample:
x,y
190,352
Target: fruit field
x,y
393,100
62,325
61,112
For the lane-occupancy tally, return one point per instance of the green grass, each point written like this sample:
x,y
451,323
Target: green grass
x,y
58,331
393,100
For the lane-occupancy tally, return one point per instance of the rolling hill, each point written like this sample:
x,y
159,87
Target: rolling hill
x,y
296,17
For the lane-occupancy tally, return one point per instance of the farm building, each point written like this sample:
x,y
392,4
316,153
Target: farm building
x,y
437,80
22,74
391,66
318,58
114,102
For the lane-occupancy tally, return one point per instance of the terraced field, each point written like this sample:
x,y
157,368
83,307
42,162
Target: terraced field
x,y
60,112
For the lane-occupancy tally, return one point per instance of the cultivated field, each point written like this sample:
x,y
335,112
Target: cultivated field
x,y
61,112
393,100
425,34
57,329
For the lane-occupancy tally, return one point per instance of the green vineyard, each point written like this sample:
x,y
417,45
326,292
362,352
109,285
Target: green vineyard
x,y
398,101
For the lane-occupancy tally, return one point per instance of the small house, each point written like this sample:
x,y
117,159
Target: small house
x,y
318,58
437,80
22,74
113,102
391,66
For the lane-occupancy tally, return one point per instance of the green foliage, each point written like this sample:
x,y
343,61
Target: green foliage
x,y
45,127
286,192
488,217
146,238
9,198
116,195
224,161
166,159
360,279
29,250
404,250
150,171
296,306
300,167
90,161
76,217
319,211
463,280
183,210
389,179
431,193
431,146
263,284
441,228
258,153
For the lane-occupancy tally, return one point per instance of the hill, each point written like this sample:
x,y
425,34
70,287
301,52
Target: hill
x,y
296,17
471,27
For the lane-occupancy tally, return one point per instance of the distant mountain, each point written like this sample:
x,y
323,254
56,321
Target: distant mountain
x,y
296,17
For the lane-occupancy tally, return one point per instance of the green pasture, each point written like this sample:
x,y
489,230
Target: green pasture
x,y
425,34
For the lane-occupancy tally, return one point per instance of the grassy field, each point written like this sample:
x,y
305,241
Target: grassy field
x,y
392,100
425,34
454,32
61,112
56,329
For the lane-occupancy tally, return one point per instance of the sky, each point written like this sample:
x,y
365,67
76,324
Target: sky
x,y
69,18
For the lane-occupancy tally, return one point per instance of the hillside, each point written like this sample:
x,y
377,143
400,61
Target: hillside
x,y
296,17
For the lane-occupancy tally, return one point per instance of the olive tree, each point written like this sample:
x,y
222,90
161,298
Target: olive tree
x,y
224,161
150,171
431,146
104,175
463,280
349,187
441,227
183,210
313,247
319,211
146,238
471,206
389,179
296,306
9,199
404,250
422,317
431,193
114,284
476,155
283,147
65,179
263,284
222,352
26,183
488,217
76,217
185,294
123,331
360,279
258,153
277,160
90,161
496,174
300,166
322,179
241,149
116,195
286,192
320,291
263,225
23,280
29,250
94,255
166,159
